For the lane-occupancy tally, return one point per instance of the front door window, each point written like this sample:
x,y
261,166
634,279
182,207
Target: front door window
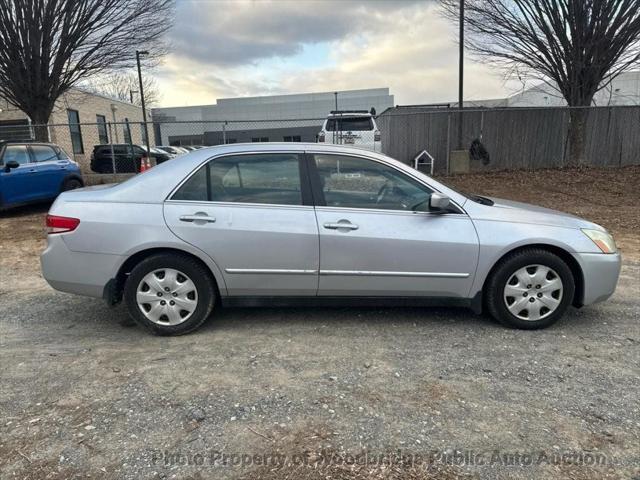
x,y
355,182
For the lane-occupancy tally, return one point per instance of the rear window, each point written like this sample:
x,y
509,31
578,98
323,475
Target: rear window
x,y
342,124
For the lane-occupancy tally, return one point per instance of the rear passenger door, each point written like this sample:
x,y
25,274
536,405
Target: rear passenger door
x,y
50,170
253,214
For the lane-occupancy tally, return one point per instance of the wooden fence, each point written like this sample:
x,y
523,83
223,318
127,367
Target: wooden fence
x,y
516,138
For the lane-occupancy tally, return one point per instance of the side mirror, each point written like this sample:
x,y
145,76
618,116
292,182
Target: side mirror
x,y
10,164
439,202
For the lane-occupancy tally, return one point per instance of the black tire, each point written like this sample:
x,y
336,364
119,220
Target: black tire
x,y
71,184
497,282
192,268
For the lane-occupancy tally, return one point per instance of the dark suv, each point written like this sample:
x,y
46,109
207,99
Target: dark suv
x,y
34,172
126,158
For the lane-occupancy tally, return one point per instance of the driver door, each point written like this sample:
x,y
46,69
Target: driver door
x,y
376,239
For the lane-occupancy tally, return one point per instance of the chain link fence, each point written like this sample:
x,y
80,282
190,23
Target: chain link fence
x,y
490,139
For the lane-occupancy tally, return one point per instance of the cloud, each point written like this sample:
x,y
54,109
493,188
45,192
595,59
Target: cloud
x,y
262,48
234,33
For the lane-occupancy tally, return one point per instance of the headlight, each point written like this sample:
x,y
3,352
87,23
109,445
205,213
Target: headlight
x,y
603,240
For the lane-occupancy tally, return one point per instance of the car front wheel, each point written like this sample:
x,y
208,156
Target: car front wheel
x,y
530,289
169,294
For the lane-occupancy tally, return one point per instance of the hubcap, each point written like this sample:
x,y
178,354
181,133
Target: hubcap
x,y
167,296
534,292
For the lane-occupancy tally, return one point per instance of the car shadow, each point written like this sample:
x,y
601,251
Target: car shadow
x,y
26,210
358,317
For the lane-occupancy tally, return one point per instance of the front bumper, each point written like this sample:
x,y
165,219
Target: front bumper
x,y
77,272
600,272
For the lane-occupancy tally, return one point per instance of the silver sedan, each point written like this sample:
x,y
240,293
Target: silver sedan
x,y
310,224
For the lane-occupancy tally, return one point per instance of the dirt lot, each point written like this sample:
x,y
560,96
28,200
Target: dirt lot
x,y
459,395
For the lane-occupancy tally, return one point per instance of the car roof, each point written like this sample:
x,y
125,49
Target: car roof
x,y
349,114
25,142
116,145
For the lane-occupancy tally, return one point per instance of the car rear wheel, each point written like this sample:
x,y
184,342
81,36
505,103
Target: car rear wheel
x,y
71,184
530,289
169,294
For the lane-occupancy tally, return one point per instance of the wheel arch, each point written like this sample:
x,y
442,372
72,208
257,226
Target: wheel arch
x,y
71,176
572,263
114,291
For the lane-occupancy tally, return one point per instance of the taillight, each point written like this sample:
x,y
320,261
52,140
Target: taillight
x,y
56,224
376,136
321,137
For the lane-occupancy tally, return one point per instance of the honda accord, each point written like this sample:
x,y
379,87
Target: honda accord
x,y
312,224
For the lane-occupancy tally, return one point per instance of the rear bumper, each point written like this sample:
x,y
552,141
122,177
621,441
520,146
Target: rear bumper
x,y
600,272
76,272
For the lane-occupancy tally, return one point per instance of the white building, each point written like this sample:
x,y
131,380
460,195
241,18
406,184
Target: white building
x,y
248,117
623,90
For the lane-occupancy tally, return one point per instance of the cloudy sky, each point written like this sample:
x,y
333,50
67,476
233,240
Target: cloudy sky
x,y
230,48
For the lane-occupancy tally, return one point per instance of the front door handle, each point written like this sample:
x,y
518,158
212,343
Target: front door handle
x,y
197,217
341,225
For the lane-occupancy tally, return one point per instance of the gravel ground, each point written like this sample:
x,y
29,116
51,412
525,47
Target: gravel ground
x,y
298,393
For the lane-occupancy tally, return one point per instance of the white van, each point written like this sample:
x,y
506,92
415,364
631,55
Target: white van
x,y
351,127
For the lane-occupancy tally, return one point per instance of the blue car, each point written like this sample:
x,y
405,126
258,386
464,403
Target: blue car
x,y
34,172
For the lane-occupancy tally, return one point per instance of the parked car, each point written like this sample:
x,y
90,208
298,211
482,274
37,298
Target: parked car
x,y
157,151
171,150
309,224
356,128
34,172
125,156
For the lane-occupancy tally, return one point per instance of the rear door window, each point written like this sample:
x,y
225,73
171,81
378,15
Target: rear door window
x,y
260,178
43,153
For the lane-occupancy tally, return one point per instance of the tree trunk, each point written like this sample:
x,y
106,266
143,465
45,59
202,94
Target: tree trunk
x,y
39,119
577,136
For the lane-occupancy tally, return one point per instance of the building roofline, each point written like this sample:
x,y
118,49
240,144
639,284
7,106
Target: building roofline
x,y
106,97
273,96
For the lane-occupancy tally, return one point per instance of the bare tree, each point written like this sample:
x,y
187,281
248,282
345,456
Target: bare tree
x,y
125,87
48,46
576,46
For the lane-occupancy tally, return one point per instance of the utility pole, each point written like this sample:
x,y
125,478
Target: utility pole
x,y
336,133
144,109
461,77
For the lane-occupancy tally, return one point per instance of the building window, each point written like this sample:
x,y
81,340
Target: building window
x,y
74,131
255,139
126,131
103,137
292,138
232,140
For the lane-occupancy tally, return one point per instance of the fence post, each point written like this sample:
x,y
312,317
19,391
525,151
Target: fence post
x,y
448,141
113,157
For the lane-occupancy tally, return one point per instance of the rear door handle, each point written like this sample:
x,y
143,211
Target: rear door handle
x,y
197,217
341,225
